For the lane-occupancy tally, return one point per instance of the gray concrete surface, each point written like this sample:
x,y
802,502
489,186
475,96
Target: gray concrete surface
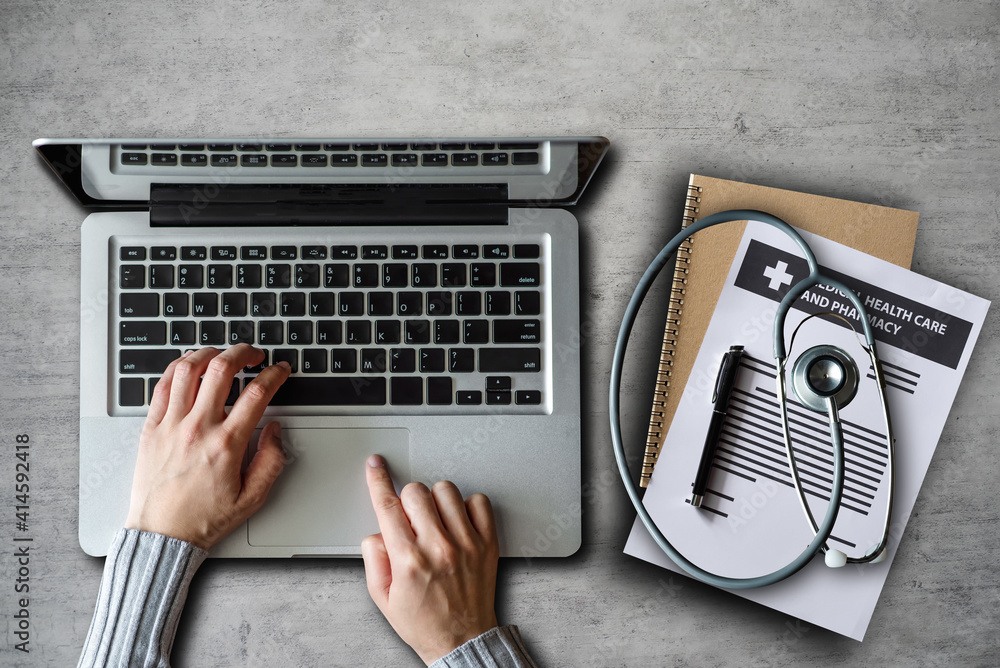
x,y
887,102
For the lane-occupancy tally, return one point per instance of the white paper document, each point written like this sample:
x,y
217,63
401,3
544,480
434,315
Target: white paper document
x,y
751,522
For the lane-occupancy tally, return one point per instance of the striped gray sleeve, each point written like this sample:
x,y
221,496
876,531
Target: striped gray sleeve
x,y
145,583
500,647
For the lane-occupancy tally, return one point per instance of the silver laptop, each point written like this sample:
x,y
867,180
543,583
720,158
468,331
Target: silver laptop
x,y
425,292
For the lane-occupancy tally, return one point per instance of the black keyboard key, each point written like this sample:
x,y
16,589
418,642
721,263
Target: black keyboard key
x,y
453,275
321,304
527,303
516,145
343,252
253,252
434,252
336,275
497,398
212,333
293,304
465,251
343,360
328,332
314,252
524,158
192,147
132,276
423,146
468,303
234,392
497,159
402,360
143,333
194,159
223,253
133,147
307,147
240,331
377,252
307,275
220,147
366,147
220,277
387,332
446,331
247,275
416,331
314,360
461,360
132,253
161,276
131,392
407,252
270,333
409,303
373,360
468,397
190,276
138,360
482,274
465,159
175,304
254,160
257,368
439,391
431,360
405,160
205,304
337,147
163,159
139,305
509,360
344,160
379,303
407,391
481,146
424,275
163,147
193,253
278,276
359,332
284,253
279,147
496,252
249,147
286,355
182,333
224,160
374,159
434,159
477,331
520,274
498,383
352,303
394,147
394,275
300,332
330,391
453,146
284,160
497,303
438,303
234,304
517,331
527,397
163,253
263,304
134,159
365,275
526,251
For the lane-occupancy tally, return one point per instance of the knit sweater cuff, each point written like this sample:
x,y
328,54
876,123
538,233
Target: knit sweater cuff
x,y
500,647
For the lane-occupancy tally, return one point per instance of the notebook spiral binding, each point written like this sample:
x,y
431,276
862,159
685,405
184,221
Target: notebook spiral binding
x,y
654,437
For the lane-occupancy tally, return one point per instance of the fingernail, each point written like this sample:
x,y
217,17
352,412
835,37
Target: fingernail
x,y
376,462
186,353
285,365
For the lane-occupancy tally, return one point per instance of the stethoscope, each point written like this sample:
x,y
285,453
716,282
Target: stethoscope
x,y
824,378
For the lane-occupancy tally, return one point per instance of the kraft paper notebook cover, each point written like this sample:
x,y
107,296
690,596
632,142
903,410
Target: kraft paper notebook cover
x,y
704,260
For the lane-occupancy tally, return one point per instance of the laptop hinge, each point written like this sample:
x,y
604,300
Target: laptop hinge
x,y
210,204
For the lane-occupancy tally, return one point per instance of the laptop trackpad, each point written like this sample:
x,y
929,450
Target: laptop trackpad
x,y
321,498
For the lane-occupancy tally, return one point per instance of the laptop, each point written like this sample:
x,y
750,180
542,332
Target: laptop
x,y
424,291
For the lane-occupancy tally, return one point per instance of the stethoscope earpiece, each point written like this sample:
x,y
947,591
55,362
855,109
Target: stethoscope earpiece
x,y
836,559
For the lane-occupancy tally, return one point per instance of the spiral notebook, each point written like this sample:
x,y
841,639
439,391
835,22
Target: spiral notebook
x,y
886,233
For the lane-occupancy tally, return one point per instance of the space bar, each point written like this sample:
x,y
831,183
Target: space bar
x,y
331,392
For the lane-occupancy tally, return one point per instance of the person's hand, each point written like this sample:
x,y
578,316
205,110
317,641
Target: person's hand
x,y
433,569
187,482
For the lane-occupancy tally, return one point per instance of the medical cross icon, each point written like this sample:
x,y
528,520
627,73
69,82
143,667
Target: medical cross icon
x,y
779,277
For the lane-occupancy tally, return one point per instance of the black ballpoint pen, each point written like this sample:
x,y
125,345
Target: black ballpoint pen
x,y
724,384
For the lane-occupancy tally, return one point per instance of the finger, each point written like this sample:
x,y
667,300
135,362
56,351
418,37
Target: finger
x,y
451,508
482,517
185,382
392,520
378,572
161,394
419,506
265,467
218,380
249,407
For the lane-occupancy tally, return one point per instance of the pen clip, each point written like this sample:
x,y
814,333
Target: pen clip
x,y
726,374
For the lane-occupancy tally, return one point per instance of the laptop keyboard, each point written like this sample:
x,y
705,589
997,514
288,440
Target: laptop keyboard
x,y
374,327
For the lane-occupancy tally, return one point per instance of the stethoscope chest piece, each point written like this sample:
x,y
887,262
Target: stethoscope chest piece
x,y
822,373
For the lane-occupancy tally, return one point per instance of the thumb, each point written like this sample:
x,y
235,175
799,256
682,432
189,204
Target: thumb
x,y
378,572
264,468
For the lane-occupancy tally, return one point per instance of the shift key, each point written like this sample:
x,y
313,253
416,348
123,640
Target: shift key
x,y
146,361
509,360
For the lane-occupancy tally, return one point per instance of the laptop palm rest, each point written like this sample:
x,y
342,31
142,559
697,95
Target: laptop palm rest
x,y
321,499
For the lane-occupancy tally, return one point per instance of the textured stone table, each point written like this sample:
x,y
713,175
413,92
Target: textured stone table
x,y
893,103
